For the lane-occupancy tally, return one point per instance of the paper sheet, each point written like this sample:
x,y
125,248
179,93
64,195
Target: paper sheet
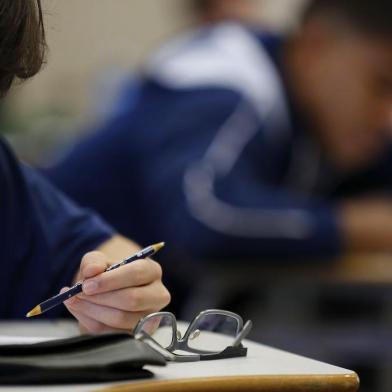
x,y
4,339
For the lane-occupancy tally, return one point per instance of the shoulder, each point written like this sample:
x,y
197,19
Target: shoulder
x,y
227,56
10,174
6,156
15,177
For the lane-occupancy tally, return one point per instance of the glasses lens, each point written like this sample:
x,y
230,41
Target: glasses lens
x,y
160,328
213,332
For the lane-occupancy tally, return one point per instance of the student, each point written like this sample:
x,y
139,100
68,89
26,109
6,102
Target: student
x,y
247,145
45,239
215,11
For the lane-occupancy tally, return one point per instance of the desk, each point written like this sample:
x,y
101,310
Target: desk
x,y
338,311
265,369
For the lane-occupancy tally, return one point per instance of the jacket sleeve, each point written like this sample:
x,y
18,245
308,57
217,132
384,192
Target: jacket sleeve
x,y
45,236
195,169
211,183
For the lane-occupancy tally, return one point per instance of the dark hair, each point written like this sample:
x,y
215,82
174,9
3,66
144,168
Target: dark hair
x,y
368,16
201,7
22,41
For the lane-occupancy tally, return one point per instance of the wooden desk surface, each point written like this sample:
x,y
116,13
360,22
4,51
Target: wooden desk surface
x,y
264,369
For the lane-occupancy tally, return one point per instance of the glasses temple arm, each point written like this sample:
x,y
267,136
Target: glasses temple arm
x,y
243,334
169,356
143,336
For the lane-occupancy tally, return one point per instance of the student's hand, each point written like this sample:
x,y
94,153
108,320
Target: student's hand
x,y
118,299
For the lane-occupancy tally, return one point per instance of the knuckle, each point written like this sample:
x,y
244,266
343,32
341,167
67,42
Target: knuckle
x,y
157,270
166,296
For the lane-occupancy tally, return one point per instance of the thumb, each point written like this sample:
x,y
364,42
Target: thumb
x,y
93,263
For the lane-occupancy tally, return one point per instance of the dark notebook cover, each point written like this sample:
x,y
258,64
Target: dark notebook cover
x,y
80,359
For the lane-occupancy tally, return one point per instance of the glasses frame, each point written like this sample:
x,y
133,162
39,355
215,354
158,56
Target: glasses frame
x,y
236,349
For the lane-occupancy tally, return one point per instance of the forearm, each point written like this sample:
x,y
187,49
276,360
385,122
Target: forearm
x,y
317,236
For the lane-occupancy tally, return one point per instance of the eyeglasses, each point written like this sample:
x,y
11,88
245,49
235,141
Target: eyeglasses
x,y
212,334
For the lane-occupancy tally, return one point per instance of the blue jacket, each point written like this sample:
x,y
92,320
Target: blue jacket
x,y
43,236
214,157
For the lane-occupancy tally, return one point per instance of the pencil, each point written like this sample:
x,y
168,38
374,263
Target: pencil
x,y
78,287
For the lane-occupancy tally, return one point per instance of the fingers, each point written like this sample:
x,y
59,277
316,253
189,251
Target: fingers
x,y
117,299
137,273
153,297
87,324
93,263
98,318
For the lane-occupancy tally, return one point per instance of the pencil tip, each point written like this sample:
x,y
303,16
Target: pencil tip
x,y
34,312
158,246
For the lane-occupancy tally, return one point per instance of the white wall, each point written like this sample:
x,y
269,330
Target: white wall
x,y
87,37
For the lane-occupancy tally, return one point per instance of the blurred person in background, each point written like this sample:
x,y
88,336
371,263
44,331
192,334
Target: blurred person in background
x,y
45,239
244,144
116,94
215,11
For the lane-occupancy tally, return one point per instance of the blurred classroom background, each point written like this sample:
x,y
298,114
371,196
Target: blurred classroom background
x,y
93,48
339,312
